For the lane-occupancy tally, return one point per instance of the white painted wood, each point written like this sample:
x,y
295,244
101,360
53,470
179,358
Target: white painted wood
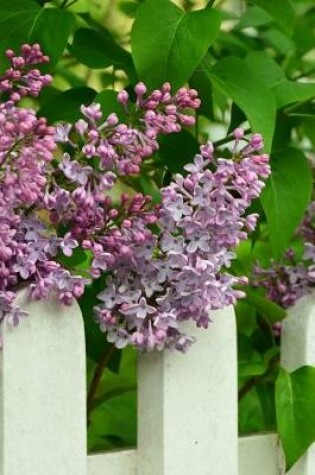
x,y
42,393
298,349
188,405
298,335
260,455
113,463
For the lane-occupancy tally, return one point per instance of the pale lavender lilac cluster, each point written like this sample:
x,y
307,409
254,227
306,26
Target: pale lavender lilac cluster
x,y
289,280
162,265
177,275
104,150
27,245
39,197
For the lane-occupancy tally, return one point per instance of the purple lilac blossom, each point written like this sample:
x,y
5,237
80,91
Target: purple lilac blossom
x,y
164,264
179,275
37,197
287,281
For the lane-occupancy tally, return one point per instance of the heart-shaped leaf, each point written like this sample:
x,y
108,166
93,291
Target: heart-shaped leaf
x,y
295,407
168,44
235,79
286,196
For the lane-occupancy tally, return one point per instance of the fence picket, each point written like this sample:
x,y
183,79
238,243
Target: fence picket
x,y
42,393
298,349
188,405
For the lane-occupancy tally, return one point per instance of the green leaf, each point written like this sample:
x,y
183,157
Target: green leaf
x,y
52,30
65,73
24,20
176,150
246,317
114,423
109,104
286,196
295,407
200,81
250,362
17,19
237,118
281,11
114,384
279,41
251,417
116,392
268,309
95,340
266,395
253,17
235,79
66,105
289,92
236,44
114,407
168,44
268,70
78,258
148,187
303,36
129,8
98,50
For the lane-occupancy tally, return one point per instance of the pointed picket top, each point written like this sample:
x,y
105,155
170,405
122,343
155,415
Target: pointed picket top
x,y
42,392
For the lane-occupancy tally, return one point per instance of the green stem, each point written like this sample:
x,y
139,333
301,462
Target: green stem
x,y
227,139
248,386
71,3
197,126
97,376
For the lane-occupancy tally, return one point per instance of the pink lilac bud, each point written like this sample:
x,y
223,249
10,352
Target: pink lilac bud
x,y
140,89
238,134
123,97
257,142
112,120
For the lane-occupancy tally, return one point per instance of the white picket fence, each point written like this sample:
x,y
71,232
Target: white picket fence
x,y
187,404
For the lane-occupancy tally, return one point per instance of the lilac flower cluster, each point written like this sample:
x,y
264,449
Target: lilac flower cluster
x,y
22,79
38,197
119,147
161,265
291,279
178,274
103,150
27,245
